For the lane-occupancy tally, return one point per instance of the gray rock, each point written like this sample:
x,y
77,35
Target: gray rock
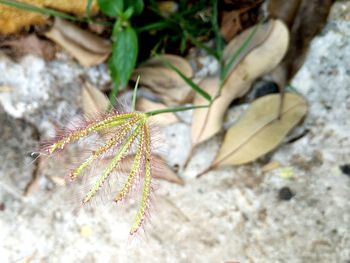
x,y
231,214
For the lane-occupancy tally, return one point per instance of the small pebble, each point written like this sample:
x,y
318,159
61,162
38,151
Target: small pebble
x,y
345,169
285,194
85,231
268,87
2,207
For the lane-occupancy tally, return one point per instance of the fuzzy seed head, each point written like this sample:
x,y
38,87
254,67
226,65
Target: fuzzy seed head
x,y
130,131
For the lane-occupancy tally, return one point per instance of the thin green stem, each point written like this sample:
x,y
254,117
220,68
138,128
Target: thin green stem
x,y
113,95
88,9
154,26
227,67
194,86
135,93
214,22
199,44
176,109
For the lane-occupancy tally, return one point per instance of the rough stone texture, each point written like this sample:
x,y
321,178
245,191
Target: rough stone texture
x,y
231,214
45,94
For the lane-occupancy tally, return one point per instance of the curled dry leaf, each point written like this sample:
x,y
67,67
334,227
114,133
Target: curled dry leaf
x,y
162,171
260,130
270,166
93,100
87,48
264,52
5,89
13,19
77,7
284,10
165,81
167,8
230,24
305,19
30,44
241,17
144,105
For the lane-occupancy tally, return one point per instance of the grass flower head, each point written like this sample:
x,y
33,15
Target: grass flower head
x,y
129,131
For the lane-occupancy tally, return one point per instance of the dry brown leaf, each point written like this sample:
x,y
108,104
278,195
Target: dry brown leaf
x,y
239,3
13,19
167,8
160,171
176,61
5,89
230,24
284,10
28,259
270,166
93,100
305,19
58,180
164,81
30,44
239,18
259,37
87,48
260,131
164,172
77,7
144,105
264,53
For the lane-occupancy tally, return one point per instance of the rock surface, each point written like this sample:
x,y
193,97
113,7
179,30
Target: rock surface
x,y
239,214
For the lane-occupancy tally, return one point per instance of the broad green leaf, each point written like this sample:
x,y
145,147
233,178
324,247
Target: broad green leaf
x,y
128,13
123,59
111,8
137,5
260,130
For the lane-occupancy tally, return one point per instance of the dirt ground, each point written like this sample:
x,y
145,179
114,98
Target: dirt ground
x,y
297,212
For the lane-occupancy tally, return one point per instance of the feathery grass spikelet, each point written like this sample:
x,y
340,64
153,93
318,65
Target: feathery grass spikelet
x,y
120,154
129,131
108,122
120,134
133,172
146,183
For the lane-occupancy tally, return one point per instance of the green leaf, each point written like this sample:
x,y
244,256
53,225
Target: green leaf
x,y
137,5
124,55
128,13
111,7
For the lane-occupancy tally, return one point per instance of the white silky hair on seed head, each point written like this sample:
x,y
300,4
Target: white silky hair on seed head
x,y
89,176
